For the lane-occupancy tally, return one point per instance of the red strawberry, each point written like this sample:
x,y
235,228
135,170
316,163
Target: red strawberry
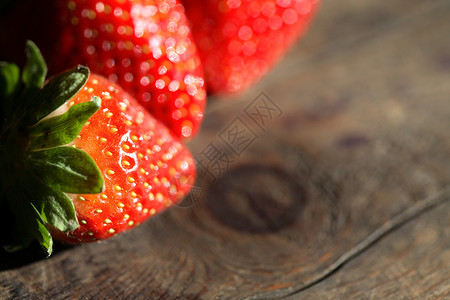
x,y
79,180
143,45
240,40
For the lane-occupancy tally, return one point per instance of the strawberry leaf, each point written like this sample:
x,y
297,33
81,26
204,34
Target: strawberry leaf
x,y
56,92
54,207
9,79
40,231
67,169
35,70
29,224
9,83
63,129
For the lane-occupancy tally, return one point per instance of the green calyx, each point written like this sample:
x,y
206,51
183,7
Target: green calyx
x,y
38,166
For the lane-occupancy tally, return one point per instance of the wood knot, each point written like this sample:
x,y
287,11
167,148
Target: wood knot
x,y
256,199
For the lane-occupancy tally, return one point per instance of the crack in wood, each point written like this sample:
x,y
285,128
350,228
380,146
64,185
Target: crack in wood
x,y
388,227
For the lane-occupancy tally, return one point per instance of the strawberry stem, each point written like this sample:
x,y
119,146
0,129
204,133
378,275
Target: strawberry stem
x,y
38,167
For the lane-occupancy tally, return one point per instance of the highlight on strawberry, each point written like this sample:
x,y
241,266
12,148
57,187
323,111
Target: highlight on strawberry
x,y
81,160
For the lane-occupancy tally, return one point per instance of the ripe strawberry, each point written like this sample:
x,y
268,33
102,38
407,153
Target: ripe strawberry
x,y
143,45
240,40
81,159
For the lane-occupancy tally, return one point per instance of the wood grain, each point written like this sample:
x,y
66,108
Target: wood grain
x,y
346,134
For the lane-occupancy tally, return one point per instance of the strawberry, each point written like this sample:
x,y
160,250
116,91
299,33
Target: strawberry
x,y
81,160
240,40
143,45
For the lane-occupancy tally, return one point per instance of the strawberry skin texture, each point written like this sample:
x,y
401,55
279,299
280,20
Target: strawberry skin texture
x,y
143,45
240,41
145,167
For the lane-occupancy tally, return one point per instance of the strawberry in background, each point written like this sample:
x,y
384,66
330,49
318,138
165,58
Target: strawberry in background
x,y
143,45
240,40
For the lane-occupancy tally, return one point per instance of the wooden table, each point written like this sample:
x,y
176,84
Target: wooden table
x,y
328,180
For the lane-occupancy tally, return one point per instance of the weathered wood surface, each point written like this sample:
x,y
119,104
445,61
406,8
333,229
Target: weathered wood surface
x,y
354,133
